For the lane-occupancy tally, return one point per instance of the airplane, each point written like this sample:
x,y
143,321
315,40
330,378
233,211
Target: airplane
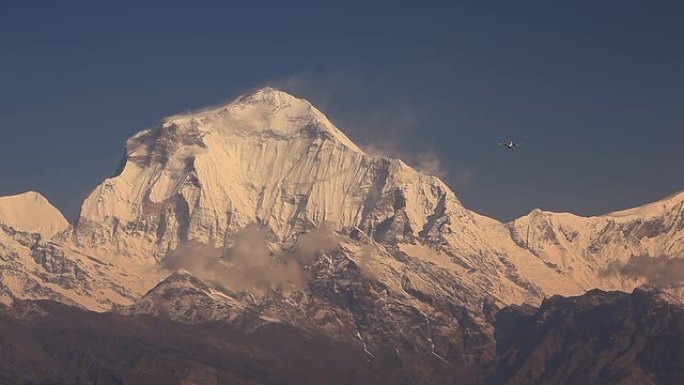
x,y
509,145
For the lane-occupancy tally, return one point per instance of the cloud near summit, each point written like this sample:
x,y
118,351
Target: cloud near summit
x,y
250,262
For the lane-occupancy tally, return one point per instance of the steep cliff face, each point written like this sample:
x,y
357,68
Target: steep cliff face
x,y
268,158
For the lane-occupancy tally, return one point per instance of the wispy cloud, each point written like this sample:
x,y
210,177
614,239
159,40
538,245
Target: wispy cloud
x,y
313,243
386,126
656,271
247,264
250,262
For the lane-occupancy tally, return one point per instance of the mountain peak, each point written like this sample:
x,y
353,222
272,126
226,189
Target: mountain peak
x,y
265,111
31,212
270,94
28,195
267,157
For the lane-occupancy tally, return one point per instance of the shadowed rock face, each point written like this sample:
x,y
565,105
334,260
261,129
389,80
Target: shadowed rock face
x,y
45,342
597,338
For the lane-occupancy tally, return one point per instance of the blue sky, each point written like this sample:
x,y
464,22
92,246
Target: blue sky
x,y
594,89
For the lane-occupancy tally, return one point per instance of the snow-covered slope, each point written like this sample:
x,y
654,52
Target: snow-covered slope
x,y
36,264
33,268
31,212
592,250
651,210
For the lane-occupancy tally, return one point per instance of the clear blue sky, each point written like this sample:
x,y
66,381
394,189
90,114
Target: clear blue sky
x,y
594,88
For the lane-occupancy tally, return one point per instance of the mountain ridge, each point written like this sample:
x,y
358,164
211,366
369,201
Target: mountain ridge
x,y
258,214
273,159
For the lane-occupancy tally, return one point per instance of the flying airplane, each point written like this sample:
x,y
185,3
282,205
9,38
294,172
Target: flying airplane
x,y
509,145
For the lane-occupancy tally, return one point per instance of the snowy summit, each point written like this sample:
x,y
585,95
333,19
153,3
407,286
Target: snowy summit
x,y
31,212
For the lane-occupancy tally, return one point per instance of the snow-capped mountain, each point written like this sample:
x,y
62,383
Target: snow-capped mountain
x,y
35,262
273,159
261,211
31,212
268,158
